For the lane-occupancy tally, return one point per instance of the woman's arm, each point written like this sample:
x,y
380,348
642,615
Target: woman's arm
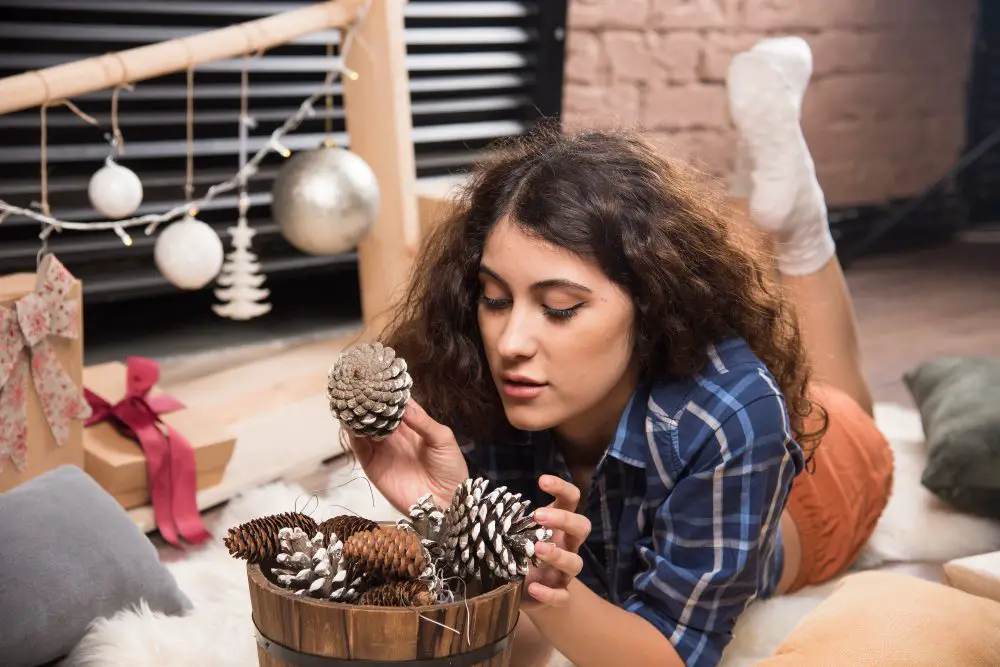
x,y
568,615
531,649
708,554
591,631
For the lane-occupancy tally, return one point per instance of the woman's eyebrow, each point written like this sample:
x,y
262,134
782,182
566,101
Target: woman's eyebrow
x,y
541,284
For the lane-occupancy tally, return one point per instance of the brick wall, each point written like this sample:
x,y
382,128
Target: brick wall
x,y
884,114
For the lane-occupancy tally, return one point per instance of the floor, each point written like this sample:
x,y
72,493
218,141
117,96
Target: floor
x,y
922,304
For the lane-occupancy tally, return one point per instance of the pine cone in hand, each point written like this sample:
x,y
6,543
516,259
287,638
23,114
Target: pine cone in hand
x,y
367,389
345,525
311,568
257,540
489,533
412,593
387,553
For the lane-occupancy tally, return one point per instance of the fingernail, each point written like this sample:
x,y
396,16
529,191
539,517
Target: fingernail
x,y
542,548
541,515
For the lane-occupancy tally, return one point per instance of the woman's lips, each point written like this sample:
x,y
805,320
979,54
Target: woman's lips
x,y
523,389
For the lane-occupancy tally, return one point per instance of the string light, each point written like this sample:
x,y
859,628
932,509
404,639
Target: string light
x,y
280,148
123,235
152,221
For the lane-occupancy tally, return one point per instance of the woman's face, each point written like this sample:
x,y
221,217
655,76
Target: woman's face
x,y
557,334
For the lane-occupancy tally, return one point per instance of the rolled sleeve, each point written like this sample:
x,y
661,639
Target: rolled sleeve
x,y
714,536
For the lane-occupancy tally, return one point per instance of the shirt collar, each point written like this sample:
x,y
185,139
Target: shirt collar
x,y
629,445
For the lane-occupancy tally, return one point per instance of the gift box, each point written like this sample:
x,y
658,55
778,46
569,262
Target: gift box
x,y
41,367
145,447
979,575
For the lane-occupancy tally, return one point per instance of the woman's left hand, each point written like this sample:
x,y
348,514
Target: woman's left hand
x,y
561,561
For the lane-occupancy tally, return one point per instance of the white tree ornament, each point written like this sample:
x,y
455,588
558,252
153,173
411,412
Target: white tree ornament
x,y
188,253
241,280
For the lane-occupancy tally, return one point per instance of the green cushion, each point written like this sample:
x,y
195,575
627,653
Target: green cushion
x,y
959,403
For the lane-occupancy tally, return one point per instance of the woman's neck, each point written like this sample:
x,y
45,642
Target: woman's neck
x,y
583,440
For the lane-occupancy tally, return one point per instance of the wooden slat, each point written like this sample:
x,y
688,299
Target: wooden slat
x,y
378,118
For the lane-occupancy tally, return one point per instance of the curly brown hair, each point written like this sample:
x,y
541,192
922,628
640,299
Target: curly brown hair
x,y
651,226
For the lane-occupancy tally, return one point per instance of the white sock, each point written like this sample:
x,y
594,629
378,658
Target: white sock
x,y
766,86
794,57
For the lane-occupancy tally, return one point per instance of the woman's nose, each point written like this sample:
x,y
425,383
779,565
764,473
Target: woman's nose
x,y
517,339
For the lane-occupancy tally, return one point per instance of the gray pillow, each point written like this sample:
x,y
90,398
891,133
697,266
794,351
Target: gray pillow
x,y
69,554
959,403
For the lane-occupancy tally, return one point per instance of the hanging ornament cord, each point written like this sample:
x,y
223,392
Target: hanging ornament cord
x,y
189,177
117,138
243,202
43,194
44,185
328,116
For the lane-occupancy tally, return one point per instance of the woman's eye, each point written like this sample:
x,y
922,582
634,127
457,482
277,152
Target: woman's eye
x,y
493,304
562,313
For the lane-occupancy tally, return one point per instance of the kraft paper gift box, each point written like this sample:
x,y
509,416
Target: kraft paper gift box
x,y
41,368
117,462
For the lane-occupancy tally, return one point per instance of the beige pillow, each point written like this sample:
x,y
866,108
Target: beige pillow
x,y
894,620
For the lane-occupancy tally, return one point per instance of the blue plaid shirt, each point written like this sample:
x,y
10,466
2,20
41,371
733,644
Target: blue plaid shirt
x,y
685,503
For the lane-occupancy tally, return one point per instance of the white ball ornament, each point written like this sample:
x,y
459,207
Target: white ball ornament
x,y
115,191
325,200
189,253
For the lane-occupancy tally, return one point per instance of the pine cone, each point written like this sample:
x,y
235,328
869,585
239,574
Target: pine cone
x,y
257,540
346,525
388,553
367,389
312,569
489,534
428,521
412,593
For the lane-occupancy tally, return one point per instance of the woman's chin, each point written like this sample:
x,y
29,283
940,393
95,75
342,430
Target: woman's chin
x,y
529,418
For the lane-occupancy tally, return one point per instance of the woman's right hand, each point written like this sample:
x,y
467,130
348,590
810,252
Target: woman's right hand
x,y
420,456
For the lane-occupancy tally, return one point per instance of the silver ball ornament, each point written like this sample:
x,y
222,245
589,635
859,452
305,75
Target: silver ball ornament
x,y
325,200
115,191
189,253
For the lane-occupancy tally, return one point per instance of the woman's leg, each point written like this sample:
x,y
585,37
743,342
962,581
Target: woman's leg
x,y
778,198
776,190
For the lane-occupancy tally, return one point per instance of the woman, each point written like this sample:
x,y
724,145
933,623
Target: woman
x,y
599,335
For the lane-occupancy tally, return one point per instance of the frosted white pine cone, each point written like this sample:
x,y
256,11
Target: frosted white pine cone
x,y
428,521
489,533
368,388
312,569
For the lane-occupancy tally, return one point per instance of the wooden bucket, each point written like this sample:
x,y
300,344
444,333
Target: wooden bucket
x,y
299,631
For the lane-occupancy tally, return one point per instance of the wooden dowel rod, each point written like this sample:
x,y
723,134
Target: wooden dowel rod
x,y
38,87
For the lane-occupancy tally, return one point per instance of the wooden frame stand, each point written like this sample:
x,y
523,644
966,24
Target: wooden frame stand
x,y
377,109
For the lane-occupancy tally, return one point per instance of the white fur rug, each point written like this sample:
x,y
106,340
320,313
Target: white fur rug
x,y
916,527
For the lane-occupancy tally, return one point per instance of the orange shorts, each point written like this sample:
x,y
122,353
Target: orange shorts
x,y
836,508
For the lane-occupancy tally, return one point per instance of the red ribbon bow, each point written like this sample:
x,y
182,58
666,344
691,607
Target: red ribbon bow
x,y
170,463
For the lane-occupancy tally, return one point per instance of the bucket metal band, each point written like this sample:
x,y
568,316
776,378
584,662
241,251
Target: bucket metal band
x,y
293,657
